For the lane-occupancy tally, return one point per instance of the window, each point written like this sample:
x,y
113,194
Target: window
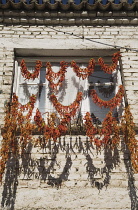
x,y
105,85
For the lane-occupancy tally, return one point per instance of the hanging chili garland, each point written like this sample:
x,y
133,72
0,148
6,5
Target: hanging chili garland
x,y
108,135
29,106
110,69
9,143
110,131
51,130
83,72
71,109
128,128
60,75
91,130
80,72
112,103
24,121
16,120
26,74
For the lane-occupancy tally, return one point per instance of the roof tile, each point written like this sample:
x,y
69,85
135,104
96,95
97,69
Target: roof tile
x,y
46,5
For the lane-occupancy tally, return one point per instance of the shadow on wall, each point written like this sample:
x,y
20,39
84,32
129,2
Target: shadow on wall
x,y
45,167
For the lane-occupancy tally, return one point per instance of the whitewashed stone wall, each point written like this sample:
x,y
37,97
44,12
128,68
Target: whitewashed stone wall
x,y
88,181
70,174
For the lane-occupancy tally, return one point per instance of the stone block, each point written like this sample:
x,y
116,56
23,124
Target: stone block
x,y
33,184
22,184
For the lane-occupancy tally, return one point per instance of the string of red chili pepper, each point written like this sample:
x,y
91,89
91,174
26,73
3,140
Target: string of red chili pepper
x,y
29,106
128,128
91,130
70,109
9,143
51,130
16,120
51,75
112,103
110,131
24,121
26,74
108,135
109,69
83,72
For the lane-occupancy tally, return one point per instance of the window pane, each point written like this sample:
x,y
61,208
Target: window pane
x,y
101,76
42,99
42,75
